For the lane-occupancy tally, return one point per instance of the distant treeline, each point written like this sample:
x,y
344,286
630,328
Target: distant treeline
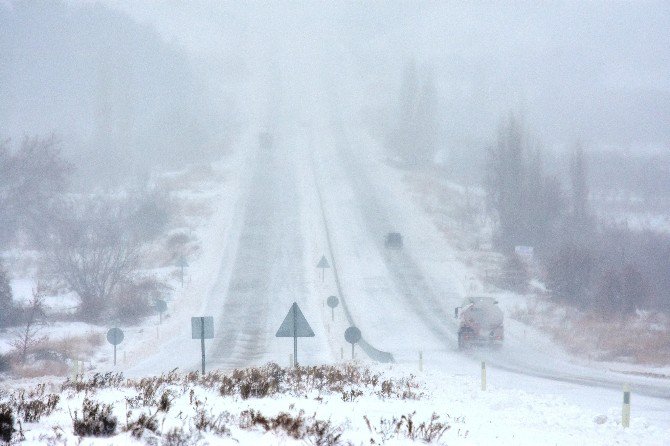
x,y
91,243
587,263
123,98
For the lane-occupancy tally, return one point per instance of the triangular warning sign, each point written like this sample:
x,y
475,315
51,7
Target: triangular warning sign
x,y
323,263
295,320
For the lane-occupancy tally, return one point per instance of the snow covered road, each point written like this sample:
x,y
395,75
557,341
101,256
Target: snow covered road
x,y
318,182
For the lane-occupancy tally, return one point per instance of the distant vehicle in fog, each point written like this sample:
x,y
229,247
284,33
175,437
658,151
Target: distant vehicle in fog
x,y
480,322
393,240
265,140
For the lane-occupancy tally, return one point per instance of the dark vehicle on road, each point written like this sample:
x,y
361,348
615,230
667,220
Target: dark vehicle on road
x,y
393,240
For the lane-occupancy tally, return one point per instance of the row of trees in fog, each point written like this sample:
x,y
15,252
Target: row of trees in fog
x,y
89,243
125,99
589,264
414,136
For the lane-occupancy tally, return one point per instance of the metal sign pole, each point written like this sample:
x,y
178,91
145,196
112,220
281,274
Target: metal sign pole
x,y
295,338
114,337
295,326
202,342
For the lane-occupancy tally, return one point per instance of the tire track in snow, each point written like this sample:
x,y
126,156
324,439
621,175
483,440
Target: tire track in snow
x,y
268,262
405,274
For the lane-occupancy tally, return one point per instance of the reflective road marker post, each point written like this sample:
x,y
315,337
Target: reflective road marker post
x,y
625,413
483,375
202,328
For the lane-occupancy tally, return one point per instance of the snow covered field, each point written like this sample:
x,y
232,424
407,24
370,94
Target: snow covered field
x,y
216,410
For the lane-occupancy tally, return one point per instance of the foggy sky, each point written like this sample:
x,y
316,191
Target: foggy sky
x,y
594,71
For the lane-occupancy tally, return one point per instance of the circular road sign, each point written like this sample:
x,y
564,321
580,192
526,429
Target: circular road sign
x,y
352,335
332,301
160,306
115,336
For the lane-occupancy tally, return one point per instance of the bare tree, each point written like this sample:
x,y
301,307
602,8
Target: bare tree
x,y
90,248
27,338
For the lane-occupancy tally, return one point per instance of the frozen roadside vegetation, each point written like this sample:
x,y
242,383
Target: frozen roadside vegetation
x,y
324,405
61,337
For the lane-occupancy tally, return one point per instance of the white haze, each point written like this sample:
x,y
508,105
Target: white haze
x,y
589,71
593,71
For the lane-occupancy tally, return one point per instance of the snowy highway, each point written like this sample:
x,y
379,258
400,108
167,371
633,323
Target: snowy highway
x,y
424,296
319,190
316,189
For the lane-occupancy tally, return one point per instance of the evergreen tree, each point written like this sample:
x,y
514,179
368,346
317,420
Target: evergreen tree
x,y
413,139
581,221
6,302
528,203
404,134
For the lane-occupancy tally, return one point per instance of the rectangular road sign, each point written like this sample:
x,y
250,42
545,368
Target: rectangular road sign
x,y
197,325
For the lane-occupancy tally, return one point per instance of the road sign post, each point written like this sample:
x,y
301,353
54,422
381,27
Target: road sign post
x,y
295,326
202,342
352,335
115,337
323,264
182,263
202,328
161,307
332,302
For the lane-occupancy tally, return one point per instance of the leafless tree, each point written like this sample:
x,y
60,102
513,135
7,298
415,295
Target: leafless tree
x,y
27,338
90,248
